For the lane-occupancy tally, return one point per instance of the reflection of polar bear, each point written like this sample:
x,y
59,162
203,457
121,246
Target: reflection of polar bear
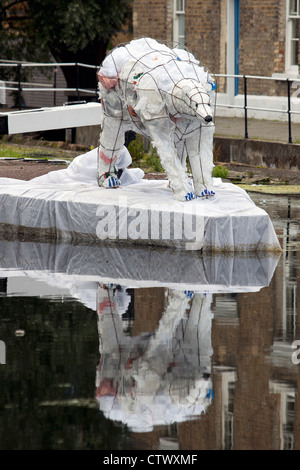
x,y
163,94
159,378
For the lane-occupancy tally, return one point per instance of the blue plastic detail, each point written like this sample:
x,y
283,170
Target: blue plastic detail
x,y
206,193
189,294
210,393
190,196
113,182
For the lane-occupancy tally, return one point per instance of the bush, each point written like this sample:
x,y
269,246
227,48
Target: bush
x,y
220,172
136,149
153,161
149,160
141,156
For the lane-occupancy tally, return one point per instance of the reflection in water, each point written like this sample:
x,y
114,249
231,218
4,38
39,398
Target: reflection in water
x,y
195,352
155,378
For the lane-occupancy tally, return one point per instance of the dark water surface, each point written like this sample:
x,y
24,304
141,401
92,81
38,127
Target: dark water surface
x,y
117,348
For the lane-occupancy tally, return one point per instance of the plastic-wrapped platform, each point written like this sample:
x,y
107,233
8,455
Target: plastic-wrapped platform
x,y
68,204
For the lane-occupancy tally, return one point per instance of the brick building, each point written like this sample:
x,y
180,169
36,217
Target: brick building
x,y
230,37
233,37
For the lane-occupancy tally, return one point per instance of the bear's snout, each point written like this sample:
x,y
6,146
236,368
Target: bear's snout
x,y
208,118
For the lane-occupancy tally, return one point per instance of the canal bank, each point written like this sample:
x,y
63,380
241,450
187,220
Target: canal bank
x,y
263,162
259,156
259,143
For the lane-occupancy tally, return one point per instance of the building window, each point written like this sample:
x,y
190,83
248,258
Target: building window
x,y
233,46
179,22
292,39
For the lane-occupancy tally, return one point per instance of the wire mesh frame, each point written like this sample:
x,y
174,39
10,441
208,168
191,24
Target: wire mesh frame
x,y
171,45
172,57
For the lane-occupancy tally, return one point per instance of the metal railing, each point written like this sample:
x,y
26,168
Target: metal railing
x,y
245,107
21,87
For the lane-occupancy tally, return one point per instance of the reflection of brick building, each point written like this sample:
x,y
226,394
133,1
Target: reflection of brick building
x,y
255,382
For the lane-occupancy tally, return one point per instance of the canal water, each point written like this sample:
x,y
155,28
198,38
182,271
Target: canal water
x,y
122,348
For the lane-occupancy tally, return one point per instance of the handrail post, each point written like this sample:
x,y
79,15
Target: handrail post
x,y
19,85
289,110
77,81
245,107
54,85
96,69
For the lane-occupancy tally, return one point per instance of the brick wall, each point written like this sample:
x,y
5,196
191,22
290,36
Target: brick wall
x,y
262,44
203,31
154,18
262,36
150,18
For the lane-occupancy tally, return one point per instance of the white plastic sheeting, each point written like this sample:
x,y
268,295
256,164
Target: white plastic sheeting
x,y
159,377
83,169
76,266
69,204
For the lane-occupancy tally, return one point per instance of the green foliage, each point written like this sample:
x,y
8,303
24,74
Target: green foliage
x,y
220,172
41,150
147,159
75,24
10,153
153,161
67,30
137,149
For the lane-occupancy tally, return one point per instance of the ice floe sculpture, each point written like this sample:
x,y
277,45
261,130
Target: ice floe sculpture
x,y
167,96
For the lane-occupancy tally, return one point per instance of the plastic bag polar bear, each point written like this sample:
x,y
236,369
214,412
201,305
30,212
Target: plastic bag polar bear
x,y
165,95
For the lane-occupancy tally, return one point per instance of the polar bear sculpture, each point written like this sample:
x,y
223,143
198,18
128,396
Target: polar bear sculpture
x,y
163,94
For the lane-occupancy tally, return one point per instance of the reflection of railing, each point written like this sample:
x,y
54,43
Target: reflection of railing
x,y
20,86
245,107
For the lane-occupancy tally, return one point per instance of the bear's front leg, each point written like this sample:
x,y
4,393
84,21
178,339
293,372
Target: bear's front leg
x,y
111,143
200,153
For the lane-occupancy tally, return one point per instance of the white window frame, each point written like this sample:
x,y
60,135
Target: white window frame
x,y
290,18
178,13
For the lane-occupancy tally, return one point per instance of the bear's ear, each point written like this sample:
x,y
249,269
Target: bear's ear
x,y
207,87
210,86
